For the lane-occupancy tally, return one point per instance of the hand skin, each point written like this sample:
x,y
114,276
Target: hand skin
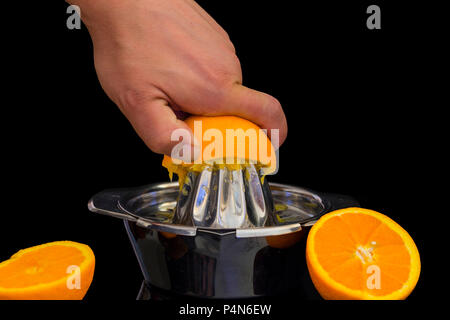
x,y
154,57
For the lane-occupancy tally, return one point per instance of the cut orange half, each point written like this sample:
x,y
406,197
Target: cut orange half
x,y
60,270
357,253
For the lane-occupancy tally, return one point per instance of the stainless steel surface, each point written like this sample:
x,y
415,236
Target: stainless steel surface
x,y
153,207
209,262
224,199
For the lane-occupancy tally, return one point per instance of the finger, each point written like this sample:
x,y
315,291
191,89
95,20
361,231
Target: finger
x,y
154,121
258,107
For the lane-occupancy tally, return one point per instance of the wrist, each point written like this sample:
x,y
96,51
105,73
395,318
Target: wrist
x,y
92,10
89,6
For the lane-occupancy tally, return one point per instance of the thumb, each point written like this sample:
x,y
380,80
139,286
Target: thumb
x,y
258,107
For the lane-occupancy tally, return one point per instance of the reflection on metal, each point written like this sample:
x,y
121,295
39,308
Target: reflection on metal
x,y
224,199
221,203
224,235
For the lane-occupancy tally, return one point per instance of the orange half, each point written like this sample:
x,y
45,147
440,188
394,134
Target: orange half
x,y
247,145
60,270
357,253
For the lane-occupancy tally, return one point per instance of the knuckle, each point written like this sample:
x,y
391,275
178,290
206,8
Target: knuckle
x,y
275,112
219,79
216,89
132,99
274,103
274,107
224,74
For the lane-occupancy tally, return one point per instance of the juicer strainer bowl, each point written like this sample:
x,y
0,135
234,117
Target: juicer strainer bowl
x,y
153,206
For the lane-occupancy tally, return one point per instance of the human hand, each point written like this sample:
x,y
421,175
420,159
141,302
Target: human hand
x,y
155,58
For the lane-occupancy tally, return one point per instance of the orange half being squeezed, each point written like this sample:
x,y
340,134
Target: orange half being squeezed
x,y
226,141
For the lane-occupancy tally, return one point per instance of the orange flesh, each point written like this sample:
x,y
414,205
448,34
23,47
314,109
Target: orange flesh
x,y
42,265
347,245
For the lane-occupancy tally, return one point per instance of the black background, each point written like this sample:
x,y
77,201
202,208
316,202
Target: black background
x,y
350,96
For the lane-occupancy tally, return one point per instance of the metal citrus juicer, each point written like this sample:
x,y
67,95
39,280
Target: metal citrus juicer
x,y
224,233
